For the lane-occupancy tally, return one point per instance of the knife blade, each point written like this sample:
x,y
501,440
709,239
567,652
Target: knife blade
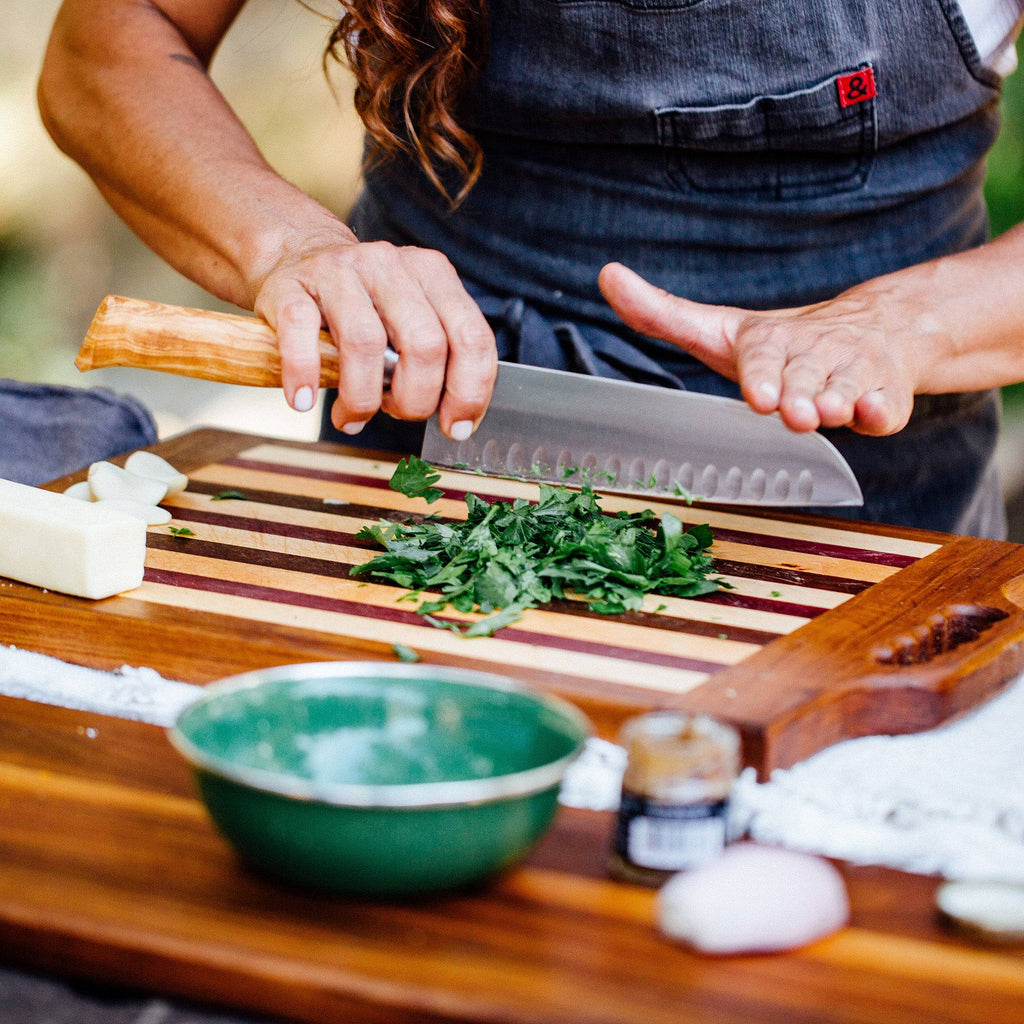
x,y
541,424
626,437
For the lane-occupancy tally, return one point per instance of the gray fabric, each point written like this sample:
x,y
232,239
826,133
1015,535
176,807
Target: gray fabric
x,y
48,430
29,999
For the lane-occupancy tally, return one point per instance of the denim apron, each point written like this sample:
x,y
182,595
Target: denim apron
x,y
753,154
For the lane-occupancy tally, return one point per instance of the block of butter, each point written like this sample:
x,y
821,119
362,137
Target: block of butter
x,y
60,543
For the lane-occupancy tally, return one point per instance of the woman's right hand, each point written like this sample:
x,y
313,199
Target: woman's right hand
x,y
370,295
134,105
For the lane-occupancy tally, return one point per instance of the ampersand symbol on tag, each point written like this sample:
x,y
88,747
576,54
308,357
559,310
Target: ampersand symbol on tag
x,y
856,87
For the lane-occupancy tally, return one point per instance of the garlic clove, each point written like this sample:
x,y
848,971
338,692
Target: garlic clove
x,y
82,491
993,911
151,515
148,464
112,483
754,899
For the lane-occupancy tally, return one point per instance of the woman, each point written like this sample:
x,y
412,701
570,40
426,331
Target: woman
x,y
820,162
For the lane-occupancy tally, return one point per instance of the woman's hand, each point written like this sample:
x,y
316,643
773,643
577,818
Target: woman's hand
x,y
370,295
846,362
134,105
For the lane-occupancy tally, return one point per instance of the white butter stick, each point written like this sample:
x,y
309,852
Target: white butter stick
x,y
62,543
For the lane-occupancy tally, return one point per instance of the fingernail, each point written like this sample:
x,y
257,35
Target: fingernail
x,y
352,428
769,392
806,408
461,430
302,400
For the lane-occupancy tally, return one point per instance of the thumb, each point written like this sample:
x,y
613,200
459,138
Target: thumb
x,y
702,330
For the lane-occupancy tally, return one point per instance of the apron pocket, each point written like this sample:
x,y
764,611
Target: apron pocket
x,y
798,145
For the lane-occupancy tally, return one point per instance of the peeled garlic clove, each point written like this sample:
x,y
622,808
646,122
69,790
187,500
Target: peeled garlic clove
x,y
82,491
151,515
151,465
111,483
754,899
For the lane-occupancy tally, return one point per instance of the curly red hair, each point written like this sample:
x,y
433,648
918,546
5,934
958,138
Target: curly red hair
x,y
414,62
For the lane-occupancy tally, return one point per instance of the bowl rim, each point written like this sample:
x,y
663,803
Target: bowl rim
x,y
413,795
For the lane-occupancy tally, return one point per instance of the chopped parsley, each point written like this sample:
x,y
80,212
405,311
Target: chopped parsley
x,y
507,557
181,531
415,479
406,654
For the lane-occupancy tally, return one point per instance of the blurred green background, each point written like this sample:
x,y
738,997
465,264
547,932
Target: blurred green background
x,y
62,250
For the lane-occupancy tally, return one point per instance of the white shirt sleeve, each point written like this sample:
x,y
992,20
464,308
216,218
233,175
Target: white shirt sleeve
x,y
995,25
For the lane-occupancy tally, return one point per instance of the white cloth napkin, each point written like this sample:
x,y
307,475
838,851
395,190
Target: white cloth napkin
x,y
948,802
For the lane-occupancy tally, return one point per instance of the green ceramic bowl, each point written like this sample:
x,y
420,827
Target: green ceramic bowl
x,y
379,779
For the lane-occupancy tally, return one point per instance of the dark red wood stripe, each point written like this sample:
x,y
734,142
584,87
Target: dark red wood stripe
x,y
276,529
790,577
388,614
356,479
855,554
234,506
338,569
763,604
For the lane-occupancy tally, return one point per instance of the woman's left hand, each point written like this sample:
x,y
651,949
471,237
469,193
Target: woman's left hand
x,y
856,360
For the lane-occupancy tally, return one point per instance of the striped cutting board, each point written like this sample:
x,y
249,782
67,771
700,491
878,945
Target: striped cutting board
x,y
831,629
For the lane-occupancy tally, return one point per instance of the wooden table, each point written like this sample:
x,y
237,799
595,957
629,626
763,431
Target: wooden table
x,y
110,869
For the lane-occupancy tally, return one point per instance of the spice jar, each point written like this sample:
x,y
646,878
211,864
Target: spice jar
x,y
673,814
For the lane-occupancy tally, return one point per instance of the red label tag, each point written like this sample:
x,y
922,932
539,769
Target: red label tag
x,y
856,87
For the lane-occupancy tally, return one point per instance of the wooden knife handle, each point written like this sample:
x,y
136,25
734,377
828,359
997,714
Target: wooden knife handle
x,y
222,347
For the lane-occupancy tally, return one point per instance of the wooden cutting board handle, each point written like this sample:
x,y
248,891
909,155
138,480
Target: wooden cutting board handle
x,y
221,347
909,653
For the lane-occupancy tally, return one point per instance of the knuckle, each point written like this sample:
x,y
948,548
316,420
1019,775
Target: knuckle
x,y
476,341
364,339
430,260
295,314
431,345
377,254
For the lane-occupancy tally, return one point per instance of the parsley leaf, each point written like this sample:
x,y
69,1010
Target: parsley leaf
x,y
415,478
406,654
506,557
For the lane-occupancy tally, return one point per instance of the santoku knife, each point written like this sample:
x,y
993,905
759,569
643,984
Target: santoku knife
x,y
541,424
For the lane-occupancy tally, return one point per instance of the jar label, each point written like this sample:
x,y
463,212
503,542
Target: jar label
x,y
669,837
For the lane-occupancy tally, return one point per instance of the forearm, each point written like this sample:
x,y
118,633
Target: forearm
x,y
134,106
963,315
